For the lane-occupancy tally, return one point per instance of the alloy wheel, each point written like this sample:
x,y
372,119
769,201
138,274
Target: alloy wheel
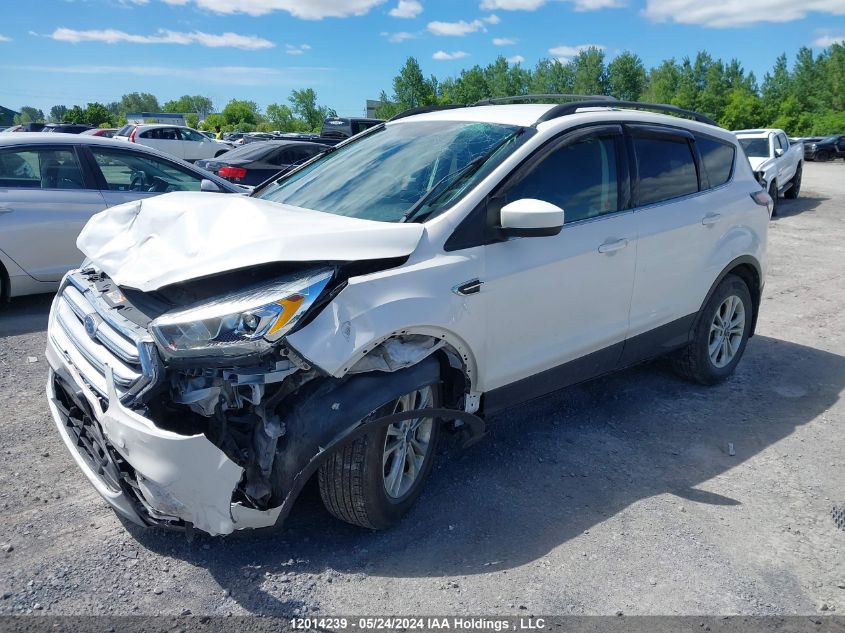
x,y
726,331
407,444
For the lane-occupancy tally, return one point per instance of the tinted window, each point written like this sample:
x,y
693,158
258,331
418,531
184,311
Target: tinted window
x,y
580,178
718,159
755,147
41,169
126,130
189,135
130,171
162,134
667,169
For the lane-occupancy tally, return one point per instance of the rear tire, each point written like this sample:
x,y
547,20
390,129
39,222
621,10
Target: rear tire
x,y
823,156
720,335
353,483
795,186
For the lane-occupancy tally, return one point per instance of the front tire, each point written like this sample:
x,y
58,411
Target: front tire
x,y
823,156
773,194
373,481
795,187
720,335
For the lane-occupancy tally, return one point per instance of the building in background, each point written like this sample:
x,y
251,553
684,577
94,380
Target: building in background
x,y
172,118
372,106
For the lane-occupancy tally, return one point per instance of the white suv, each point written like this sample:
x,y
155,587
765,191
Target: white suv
x,y
214,353
176,140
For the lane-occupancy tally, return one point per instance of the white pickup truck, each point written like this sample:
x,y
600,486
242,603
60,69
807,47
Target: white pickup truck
x,y
776,162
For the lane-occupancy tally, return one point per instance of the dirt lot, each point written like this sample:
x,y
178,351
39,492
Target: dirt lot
x,y
616,495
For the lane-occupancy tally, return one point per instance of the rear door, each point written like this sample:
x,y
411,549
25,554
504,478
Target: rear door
x,y
164,139
195,146
45,199
678,225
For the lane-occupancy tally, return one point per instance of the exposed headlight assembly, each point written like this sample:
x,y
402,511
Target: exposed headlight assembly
x,y
246,322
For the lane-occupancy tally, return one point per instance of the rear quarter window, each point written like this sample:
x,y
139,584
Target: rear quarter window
x,y
718,159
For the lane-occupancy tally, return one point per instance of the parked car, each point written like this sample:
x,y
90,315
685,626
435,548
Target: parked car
x,y
254,163
252,137
51,184
345,127
824,149
105,132
437,269
176,140
777,163
67,128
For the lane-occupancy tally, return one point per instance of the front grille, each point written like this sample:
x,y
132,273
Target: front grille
x,y
92,335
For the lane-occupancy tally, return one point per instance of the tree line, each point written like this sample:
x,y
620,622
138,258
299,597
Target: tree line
x,y
805,99
302,113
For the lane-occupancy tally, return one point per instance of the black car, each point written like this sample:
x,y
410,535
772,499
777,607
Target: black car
x,y
67,128
345,127
827,148
254,163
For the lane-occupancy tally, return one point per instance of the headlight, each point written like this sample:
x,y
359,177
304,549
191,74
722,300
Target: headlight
x,y
241,323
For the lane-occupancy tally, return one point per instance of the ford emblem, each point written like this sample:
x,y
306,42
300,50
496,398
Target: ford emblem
x,y
91,325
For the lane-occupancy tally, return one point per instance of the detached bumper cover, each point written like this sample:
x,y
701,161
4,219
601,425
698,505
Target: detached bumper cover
x,y
164,477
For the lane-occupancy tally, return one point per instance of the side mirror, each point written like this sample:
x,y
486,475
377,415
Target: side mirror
x,y
209,186
778,152
528,217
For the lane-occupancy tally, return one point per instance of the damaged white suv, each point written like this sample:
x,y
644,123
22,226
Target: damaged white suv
x,y
213,353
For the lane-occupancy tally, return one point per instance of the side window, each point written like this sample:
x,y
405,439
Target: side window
x,y
784,142
778,144
718,159
41,169
580,178
190,135
130,171
667,169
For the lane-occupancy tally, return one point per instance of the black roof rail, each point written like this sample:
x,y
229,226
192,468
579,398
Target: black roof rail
x,y
571,108
423,110
532,97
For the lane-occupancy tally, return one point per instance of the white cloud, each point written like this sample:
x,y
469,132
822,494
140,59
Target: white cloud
x,y
533,5
823,41
491,19
565,53
457,29
515,59
296,49
229,75
304,9
5,38
728,13
399,36
163,36
503,41
406,9
444,56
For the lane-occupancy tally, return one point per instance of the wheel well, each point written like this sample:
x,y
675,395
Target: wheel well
x,y
751,277
5,285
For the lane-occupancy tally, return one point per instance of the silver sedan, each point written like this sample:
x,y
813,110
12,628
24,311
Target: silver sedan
x,y
51,184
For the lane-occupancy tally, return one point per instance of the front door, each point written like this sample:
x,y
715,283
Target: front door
x,y
558,306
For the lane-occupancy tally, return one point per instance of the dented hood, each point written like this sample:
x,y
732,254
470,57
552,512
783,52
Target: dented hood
x,y
148,244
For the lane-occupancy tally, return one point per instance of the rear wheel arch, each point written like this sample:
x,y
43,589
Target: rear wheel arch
x,y
748,269
5,284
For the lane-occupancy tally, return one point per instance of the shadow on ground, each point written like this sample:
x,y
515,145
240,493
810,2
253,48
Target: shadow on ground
x,y
547,472
802,204
24,315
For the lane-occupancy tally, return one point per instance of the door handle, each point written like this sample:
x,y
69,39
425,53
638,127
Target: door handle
x,y
471,287
5,209
613,245
710,219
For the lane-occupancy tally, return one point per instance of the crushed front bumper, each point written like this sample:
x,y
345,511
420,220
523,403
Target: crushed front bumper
x,y
147,474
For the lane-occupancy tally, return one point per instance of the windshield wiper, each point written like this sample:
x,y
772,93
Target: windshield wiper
x,y
470,167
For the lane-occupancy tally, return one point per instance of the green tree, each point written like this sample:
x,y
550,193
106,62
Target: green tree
x,y
304,105
97,114
57,113
201,106
138,102
28,114
590,72
552,77
280,117
241,113
776,86
214,120
663,82
742,110
192,119
75,115
626,77
411,89
505,80
471,86
835,75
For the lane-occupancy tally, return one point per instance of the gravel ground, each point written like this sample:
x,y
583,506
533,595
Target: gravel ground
x,y
619,495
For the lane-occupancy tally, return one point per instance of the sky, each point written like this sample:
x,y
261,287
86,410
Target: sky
x,y
75,51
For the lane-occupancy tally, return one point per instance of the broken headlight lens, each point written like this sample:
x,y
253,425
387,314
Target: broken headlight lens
x,y
245,322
